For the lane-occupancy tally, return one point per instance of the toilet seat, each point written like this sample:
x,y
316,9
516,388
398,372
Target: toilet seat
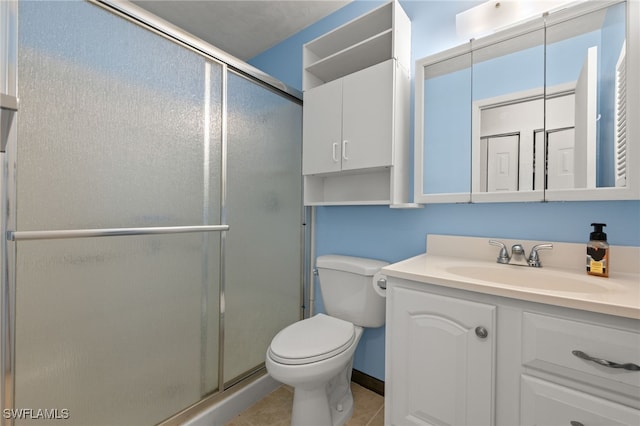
x,y
312,340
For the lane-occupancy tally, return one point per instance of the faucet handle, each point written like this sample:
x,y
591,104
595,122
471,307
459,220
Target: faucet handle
x,y
503,256
534,259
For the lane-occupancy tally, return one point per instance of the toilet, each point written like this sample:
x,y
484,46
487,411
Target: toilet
x,y
315,355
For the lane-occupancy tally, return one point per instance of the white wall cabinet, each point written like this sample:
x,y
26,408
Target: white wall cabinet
x,y
356,111
348,123
440,358
524,372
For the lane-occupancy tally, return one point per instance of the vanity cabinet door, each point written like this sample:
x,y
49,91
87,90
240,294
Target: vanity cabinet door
x,y
545,403
440,359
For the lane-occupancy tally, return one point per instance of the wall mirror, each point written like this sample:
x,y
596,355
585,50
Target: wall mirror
x,y
544,117
446,125
585,131
508,116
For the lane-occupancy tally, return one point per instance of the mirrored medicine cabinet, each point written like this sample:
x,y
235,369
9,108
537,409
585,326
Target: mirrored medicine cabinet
x,y
537,112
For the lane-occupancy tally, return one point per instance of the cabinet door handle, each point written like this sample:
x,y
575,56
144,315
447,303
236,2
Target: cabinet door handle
x,y
575,423
482,332
626,366
334,152
344,150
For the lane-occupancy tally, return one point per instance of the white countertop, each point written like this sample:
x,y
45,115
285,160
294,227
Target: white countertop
x,y
618,295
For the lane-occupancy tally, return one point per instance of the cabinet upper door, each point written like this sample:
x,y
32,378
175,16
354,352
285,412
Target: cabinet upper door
x,y
322,129
440,359
368,111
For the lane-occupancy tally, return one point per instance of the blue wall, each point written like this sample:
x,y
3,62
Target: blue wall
x,y
393,235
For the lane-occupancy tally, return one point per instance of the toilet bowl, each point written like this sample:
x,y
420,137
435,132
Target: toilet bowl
x,y
319,374
315,355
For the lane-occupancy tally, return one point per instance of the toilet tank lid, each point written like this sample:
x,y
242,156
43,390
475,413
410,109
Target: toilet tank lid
x,y
355,265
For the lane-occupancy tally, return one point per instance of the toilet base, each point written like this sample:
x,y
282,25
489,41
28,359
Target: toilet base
x,y
330,404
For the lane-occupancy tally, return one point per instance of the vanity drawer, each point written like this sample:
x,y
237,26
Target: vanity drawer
x,y
545,403
549,344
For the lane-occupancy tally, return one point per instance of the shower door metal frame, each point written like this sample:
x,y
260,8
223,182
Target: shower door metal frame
x,y
9,107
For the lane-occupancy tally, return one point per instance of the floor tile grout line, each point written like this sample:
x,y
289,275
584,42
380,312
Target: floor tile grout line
x,y
375,415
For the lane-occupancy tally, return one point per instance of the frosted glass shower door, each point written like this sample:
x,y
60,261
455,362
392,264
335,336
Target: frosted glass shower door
x,y
264,197
118,128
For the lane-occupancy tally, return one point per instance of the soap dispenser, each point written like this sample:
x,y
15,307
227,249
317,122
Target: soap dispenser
x,y
598,252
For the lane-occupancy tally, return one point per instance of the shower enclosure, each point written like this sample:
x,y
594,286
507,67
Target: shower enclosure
x,y
153,228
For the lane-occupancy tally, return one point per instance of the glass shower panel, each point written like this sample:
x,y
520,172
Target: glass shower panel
x,y
118,127
110,328
111,129
263,248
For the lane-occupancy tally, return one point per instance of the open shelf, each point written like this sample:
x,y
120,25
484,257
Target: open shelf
x,y
373,187
367,53
377,36
353,32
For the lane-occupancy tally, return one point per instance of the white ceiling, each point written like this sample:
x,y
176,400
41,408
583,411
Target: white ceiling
x,y
242,28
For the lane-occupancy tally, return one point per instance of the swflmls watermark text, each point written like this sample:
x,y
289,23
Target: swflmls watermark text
x,y
36,413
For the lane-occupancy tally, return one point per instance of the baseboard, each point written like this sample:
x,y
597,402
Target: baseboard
x,y
368,382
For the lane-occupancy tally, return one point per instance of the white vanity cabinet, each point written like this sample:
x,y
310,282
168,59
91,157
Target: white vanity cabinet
x,y
546,403
440,359
356,111
575,350
533,368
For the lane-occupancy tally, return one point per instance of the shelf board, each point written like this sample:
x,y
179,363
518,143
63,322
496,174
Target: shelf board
x,y
350,203
352,32
407,206
371,51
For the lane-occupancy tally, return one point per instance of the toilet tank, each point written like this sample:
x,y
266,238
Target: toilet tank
x,y
346,284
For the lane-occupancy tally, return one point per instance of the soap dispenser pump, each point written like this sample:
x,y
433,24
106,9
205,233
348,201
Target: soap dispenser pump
x,y
598,252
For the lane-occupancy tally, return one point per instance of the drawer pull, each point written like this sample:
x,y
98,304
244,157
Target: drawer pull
x,y
574,423
604,362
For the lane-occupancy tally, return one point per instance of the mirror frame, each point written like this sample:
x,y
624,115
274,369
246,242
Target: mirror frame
x,y
419,195
629,192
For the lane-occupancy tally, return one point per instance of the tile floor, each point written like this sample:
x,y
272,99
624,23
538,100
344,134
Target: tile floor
x,y
275,409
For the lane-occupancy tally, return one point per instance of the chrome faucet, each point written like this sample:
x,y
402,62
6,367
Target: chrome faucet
x,y
517,256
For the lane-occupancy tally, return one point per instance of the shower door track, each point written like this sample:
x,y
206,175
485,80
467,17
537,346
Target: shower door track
x,y
110,232
164,28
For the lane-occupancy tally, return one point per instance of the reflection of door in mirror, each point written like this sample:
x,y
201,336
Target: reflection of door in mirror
x,y
560,159
583,51
502,162
620,114
560,147
507,129
507,111
571,131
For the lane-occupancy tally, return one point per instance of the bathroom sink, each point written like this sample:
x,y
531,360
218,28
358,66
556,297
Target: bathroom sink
x,y
532,278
